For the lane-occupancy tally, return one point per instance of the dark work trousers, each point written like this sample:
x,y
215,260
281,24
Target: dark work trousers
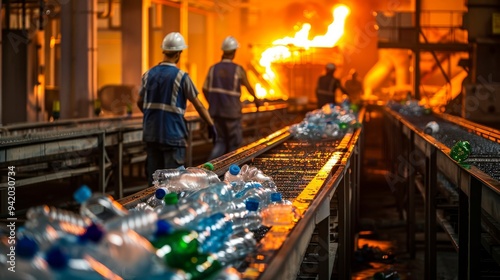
x,y
230,136
162,157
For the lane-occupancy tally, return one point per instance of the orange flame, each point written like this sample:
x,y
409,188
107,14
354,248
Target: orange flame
x,y
281,52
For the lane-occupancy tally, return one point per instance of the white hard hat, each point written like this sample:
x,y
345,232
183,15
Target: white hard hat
x,y
330,66
173,42
230,44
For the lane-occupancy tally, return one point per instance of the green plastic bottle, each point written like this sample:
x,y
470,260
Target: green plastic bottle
x,y
180,250
460,151
177,248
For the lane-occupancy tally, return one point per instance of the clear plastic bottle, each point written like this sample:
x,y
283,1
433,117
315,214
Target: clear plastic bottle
x,y
431,128
27,262
187,214
146,224
188,180
214,194
156,201
232,174
251,220
46,224
97,207
277,198
237,247
252,173
127,254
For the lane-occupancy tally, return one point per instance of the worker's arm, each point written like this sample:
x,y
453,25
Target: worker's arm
x,y
246,83
202,111
339,86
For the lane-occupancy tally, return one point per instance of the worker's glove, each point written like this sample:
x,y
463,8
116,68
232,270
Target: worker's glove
x,y
212,133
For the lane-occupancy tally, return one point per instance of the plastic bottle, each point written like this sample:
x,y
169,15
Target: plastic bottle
x,y
252,173
144,223
187,214
47,224
277,198
26,261
237,247
188,180
431,128
460,151
282,215
213,231
156,201
97,207
127,254
233,174
214,194
389,274
251,220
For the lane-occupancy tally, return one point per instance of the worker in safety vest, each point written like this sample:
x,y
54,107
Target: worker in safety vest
x,y
222,88
327,86
164,92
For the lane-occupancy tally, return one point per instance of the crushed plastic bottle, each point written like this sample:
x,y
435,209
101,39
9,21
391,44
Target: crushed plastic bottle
x,y
187,180
97,207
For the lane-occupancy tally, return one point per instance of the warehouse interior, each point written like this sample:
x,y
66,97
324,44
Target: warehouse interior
x,y
397,201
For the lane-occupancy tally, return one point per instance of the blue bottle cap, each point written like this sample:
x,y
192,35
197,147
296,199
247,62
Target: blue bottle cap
x,y
234,169
93,233
26,247
163,228
252,204
82,194
56,258
160,193
275,197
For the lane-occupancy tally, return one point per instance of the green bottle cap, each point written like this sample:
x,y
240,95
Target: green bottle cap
x,y
343,125
171,198
208,166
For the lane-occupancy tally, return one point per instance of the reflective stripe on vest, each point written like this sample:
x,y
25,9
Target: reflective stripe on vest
x,y
175,94
235,91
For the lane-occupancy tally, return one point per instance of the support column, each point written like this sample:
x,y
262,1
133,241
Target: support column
x,y
184,31
134,31
78,58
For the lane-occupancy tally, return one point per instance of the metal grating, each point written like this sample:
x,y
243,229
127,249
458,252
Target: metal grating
x,y
293,164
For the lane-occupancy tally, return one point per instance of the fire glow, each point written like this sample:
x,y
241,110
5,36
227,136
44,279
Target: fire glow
x,y
280,51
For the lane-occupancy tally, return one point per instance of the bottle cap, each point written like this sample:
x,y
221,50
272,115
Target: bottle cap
x,y
56,258
93,233
234,169
252,204
208,166
163,228
160,193
26,247
275,197
82,194
171,198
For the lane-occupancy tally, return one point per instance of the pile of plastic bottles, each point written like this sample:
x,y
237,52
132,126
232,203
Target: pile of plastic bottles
x,y
201,235
331,121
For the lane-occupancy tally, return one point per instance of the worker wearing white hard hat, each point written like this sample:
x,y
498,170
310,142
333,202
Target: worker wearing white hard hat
x,y
327,86
163,97
222,88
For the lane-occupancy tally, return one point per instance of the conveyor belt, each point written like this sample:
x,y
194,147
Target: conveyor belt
x,y
485,154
